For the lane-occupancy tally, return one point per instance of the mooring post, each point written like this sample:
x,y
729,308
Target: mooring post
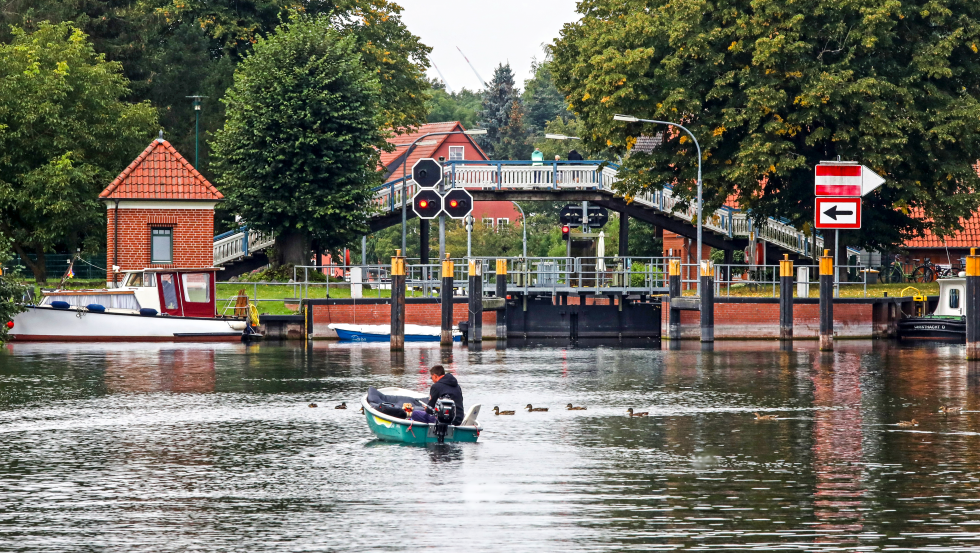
x,y
674,291
398,301
502,294
424,241
707,301
786,298
476,300
446,298
826,302
973,305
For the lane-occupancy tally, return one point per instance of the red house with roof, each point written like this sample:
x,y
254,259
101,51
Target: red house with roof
x,y
160,214
942,251
447,147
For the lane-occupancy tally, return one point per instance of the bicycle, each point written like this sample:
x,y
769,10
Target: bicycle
x,y
929,272
894,274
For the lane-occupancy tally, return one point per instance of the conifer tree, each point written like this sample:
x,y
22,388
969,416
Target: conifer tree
x,y
497,103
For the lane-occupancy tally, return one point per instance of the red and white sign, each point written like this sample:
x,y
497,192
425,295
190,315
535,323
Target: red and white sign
x,y
845,178
838,213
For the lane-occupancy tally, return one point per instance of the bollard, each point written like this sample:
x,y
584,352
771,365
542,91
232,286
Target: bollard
x,y
826,302
446,298
972,305
707,301
397,301
674,291
502,293
786,298
476,300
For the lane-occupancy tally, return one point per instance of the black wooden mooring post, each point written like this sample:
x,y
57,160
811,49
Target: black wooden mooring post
x,y
476,300
446,298
397,302
424,241
674,291
786,298
501,293
826,302
707,301
973,305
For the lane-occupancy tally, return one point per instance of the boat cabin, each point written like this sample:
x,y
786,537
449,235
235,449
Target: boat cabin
x,y
175,292
952,298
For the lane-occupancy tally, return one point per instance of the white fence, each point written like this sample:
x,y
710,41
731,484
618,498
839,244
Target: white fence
x,y
234,246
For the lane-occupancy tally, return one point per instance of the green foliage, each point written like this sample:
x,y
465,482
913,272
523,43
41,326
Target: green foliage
x,y
543,100
771,88
462,106
284,273
66,133
10,291
514,142
498,101
299,152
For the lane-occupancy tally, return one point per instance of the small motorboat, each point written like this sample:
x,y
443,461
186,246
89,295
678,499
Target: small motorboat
x,y
392,429
382,333
947,323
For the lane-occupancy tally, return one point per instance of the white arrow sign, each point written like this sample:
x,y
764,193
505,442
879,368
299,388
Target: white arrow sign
x,y
845,178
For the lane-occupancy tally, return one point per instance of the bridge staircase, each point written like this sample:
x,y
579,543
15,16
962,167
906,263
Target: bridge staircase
x,y
241,251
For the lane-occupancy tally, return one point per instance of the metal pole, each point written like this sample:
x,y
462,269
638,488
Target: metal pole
x,y
585,217
469,236
523,224
836,263
364,250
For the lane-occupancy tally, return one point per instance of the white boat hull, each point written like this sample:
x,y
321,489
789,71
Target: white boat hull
x,y
45,323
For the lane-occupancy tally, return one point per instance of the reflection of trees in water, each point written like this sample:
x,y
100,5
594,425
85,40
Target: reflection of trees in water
x,y
164,370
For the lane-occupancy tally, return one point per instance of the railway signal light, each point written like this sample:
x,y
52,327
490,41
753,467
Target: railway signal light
x,y
427,172
457,203
427,203
565,231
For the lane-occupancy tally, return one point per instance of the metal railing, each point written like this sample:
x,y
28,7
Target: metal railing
x,y
763,280
241,243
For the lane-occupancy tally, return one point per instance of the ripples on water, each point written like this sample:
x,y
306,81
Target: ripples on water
x,y
173,448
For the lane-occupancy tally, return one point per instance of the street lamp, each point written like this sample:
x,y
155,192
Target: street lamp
x,y
197,126
524,224
634,119
561,137
408,151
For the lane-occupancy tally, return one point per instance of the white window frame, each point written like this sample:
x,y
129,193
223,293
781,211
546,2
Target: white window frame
x,y
454,149
503,221
488,222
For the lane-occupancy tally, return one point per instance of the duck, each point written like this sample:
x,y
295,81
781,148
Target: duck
x,y
632,414
570,407
313,405
906,424
343,405
497,411
759,417
946,409
532,409
362,410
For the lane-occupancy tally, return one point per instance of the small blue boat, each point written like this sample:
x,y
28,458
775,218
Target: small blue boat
x,y
382,333
391,429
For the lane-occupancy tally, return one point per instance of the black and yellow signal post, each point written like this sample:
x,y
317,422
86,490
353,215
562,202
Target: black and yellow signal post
x,y
973,305
707,301
397,302
501,293
826,302
674,291
476,300
446,298
786,298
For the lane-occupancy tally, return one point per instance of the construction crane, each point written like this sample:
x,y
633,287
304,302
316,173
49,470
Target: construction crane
x,y
484,83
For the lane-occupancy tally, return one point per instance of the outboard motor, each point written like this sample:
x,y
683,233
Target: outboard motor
x,y
445,414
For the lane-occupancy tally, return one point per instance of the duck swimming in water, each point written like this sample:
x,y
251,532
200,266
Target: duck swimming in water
x,y
759,417
906,424
531,409
569,407
632,414
497,411
313,405
343,405
946,409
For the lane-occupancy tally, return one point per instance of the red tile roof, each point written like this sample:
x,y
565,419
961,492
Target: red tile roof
x,y
160,173
969,237
425,148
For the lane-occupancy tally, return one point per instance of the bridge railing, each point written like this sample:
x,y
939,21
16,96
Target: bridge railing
x,y
237,244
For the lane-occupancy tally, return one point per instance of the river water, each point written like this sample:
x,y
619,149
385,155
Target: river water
x,y
165,447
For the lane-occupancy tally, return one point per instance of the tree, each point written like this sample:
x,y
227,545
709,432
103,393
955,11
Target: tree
x,y
10,291
497,103
462,106
771,88
66,132
542,99
298,154
514,140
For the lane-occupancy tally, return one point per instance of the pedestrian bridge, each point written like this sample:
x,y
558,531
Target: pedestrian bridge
x,y
593,181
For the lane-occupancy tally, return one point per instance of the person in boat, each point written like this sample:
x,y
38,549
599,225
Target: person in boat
x,y
443,385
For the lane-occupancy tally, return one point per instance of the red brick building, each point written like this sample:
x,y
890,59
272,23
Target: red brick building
x,y
160,214
450,147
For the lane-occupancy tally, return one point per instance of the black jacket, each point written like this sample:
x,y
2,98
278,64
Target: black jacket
x,y
448,386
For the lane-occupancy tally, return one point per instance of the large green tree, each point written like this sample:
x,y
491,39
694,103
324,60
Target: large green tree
x,y
462,105
298,154
65,132
11,292
498,100
542,99
771,88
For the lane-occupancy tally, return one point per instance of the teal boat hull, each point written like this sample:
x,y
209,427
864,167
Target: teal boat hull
x,y
390,429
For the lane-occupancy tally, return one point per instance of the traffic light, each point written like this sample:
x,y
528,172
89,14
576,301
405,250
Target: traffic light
x,y
427,172
565,231
458,203
427,203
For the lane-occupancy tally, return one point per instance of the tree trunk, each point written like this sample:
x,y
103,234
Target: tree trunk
x,y
39,267
292,249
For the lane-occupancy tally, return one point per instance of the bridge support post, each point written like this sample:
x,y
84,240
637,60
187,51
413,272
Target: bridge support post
x,y
446,299
707,301
786,298
973,305
476,300
397,302
424,241
674,291
826,302
624,235
501,292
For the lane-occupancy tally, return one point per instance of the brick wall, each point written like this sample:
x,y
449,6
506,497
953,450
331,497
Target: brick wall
x,y
193,235
374,313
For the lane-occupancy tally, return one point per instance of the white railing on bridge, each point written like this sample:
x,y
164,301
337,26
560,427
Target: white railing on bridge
x,y
594,175
238,244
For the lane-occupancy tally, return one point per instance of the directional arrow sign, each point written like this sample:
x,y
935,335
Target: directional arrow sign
x,y
845,178
838,213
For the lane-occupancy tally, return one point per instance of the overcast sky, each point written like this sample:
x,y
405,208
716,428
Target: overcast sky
x,y
488,33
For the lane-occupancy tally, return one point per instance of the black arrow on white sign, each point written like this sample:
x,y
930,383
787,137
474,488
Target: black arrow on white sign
x,y
833,212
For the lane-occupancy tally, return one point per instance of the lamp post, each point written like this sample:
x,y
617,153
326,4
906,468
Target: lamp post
x,y
524,224
197,127
408,151
634,119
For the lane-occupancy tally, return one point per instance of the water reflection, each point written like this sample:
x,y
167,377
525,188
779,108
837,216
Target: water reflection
x,y
113,446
